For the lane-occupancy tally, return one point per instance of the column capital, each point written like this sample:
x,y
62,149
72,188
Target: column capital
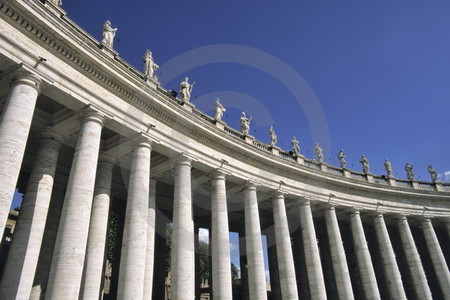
x,y
22,76
425,219
105,157
250,185
278,194
143,140
218,174
92,114
304,201
401,217
355,210
182,160
49,133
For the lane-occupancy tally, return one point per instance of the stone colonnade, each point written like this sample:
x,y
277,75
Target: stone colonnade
x,y
78,255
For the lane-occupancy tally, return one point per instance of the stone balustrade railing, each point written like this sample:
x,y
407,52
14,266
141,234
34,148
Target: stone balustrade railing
x,y
313,164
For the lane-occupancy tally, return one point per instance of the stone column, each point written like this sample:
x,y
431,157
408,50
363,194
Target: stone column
x,y
312,255
286,268
391,270
340,267
220,241
366,271
437,257
243,263
447,224
134,241
182,233
95,251
23,254
15,123
48,242
255,259
150,256
413,259
70,247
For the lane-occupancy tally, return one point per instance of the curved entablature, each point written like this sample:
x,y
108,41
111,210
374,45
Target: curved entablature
x,y
137,102
97,146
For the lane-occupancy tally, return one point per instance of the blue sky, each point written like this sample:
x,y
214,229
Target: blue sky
x,y
369,77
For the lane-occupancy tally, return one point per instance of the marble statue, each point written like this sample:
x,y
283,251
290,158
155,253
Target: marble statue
x,y
295,146
341,157
409,171
219,110
365,162
273,137
149,65
388,167
433,174
319,152
186,89
245,124
108,34
56,2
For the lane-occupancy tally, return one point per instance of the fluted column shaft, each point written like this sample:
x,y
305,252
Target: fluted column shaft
x,y
340,267
134,241
95,251
413,259
391,270
255,259
220,241
70,247
285,258
150,256
48,242
15,123
368,278
24,251
312,255
182,268
437,257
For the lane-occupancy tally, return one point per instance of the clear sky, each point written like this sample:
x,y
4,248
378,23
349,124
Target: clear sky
x,y
369,77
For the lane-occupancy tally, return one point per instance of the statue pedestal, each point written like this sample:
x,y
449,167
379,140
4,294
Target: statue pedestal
x,y
369,177
55,9
249,139
346,173
323,167
438,186
108,51
300,159
220,124
392,181
415,184
188,106
275,150
151,81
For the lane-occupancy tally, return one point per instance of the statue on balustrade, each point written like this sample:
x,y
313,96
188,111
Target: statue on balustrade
x,y
245,124
56,2
409,171
186,89
108,34
295,146
219,110
433,174
319,152
273,137
365,163
388,167
341,157
149,65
